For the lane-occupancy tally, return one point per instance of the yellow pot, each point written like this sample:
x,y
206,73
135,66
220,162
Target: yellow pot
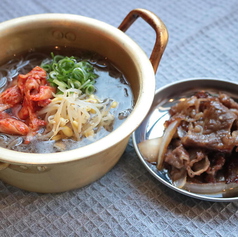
x,y
58,172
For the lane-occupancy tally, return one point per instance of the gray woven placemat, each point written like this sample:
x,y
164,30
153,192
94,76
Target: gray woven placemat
x,y
128,201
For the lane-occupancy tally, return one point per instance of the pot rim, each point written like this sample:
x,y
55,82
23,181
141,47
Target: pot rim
x,y
137,115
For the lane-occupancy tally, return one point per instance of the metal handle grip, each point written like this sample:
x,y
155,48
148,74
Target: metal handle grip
x,y
156,23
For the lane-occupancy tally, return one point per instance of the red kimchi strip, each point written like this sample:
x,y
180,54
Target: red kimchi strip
x,y
28,96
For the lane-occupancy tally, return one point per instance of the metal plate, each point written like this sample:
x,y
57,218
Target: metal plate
x,y
153,127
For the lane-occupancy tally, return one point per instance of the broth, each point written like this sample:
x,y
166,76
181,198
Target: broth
x,y
110,84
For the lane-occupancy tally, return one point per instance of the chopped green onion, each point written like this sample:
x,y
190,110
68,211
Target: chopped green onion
x,y
77,84
60,83
90,89
69,72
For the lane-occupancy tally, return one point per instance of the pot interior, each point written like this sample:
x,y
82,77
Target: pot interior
x,y
62,31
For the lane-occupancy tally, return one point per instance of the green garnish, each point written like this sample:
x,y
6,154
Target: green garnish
x,y
69,72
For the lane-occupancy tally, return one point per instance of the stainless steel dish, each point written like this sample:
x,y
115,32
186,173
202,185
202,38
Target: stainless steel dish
x,y
152,126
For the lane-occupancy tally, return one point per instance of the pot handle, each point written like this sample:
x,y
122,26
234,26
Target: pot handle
x,y
156,23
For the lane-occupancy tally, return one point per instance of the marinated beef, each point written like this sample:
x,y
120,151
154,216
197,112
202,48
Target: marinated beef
x,y
231,169
205,138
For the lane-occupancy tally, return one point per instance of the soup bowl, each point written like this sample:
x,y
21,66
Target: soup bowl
x,y
62,171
